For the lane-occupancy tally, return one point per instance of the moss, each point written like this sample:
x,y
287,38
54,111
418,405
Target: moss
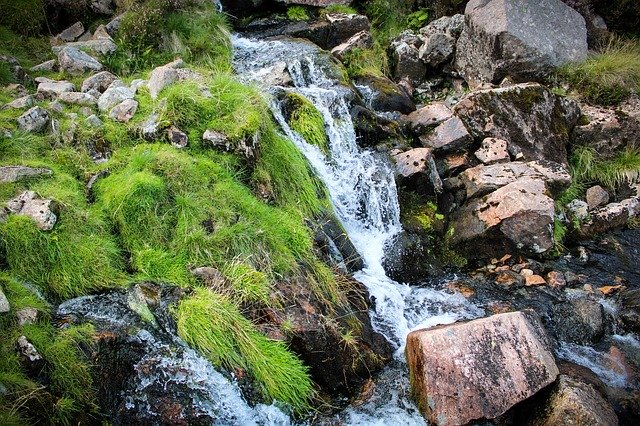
x,y
213,325
297,13
306,120
366,62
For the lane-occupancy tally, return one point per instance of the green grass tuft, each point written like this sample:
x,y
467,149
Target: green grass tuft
x,y
214,326
306,120
297,13
339,8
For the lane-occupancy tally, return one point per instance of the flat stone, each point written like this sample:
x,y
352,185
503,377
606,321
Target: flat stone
x,y
124,111
53,88
9,174
478,370
72,33
534,280
21,103
449,135
100,82
46,66
34,120
77,98
114,96
493,150
428,117
75,61
597,196
556,279
40,210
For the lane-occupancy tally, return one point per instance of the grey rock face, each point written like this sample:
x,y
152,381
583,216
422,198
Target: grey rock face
x,y
124,111
52,88
10,174
523,39
34,120
113,96
4,303
72,33
21,103
75,61
99,82
77,98
46,66
98,46
448,136
405,59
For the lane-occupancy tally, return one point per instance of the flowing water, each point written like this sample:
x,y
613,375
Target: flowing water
x,y
362,190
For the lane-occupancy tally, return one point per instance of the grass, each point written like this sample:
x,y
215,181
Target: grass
x,y
214,326
297,13
609,75
306,120
339,8
587,167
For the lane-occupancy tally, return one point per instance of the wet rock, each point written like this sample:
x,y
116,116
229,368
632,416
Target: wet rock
x,y
408,258
373,129
47,66
177,138
604,219
27,316
278,75
361,40
450,135
4,303
405,59
342,27
75,61
492,151
52,88
629,301
573,401
386,96
21,103
479,369
578,209
40,210
579,320
28,351
72,33
124,111
9,174
332,239
597,196
418,165
524,39
34,120
517,217
100,82
534,121
481,180
428,117
534,280
77,98
114,96
556,279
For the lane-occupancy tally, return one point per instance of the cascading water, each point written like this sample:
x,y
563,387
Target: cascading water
x,y
362,190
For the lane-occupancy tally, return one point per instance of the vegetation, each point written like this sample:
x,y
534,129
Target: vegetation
x,y
306,120
22,16
610,75
297,13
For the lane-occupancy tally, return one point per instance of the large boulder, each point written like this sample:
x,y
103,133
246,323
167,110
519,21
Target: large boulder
x,y
535,122
522,39
479,369
382,94
75,61
404,54
34,120
40,210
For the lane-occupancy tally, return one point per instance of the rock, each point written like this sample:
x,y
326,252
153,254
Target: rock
x,y
452,163
535,122
177,137
4,303
483,179
124,111
113,25
578,210
492,151
103,7
77,98
522,39
101,33
342,27
534,280
72,33
428,117
100,82
17,72
47,66
440,38
40,210
478,370
9,174
580,320
17,89
450,135
333,241
163,76
216,139
94,121
596,196
574,402
34,120
517,217
361,40
604,219
405,60
136,84
114,96
211,277
315,3
99,46
408,258
630,309
21,103
419,162
373,129
27,350
385,95
27,316
556,279
77,62
53,88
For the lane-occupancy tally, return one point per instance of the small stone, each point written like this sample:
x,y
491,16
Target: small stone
x,y
17,89
94,121
509,279
21,103
578,210
556,279
492,151
86,111
27,316
95,46
46,66
77,98
113,25
28,350
608,290
114,96
597,196
124,111
216,139
72,33
99,82
177,137
40,210
9,174
4,303
588,288
34,120
526,272
56,106
534,280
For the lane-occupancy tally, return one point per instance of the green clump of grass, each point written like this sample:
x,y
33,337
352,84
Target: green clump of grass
x,y
366,62
339,8
76,257
248,285
589,167
306,120
609,75
213,325
297,13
